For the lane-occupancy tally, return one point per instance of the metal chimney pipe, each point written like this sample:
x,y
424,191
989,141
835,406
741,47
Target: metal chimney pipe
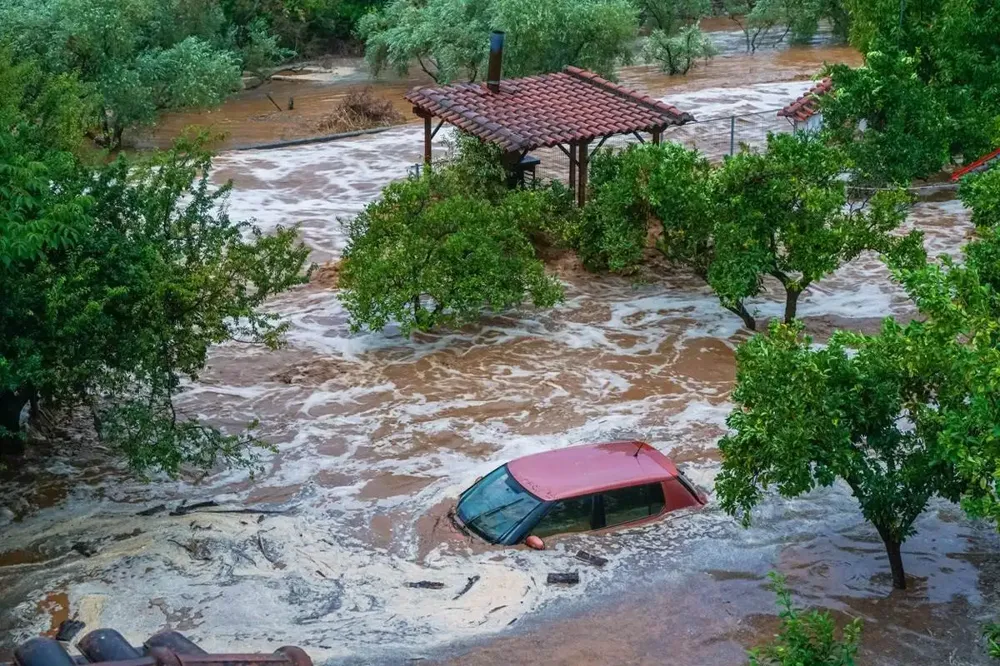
x,y
496,61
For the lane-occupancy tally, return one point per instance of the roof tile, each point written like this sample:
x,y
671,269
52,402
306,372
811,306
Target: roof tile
x,y
807,105
546,110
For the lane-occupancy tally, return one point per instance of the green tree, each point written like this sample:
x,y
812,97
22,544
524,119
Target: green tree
x,y
900,417
676,54
763,22
783,214
449,39
932,81
143,56
891,125
981,193
806,639
809,417
425,257
115,280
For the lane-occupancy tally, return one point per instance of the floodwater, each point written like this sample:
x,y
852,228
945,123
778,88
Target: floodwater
x,y
378,434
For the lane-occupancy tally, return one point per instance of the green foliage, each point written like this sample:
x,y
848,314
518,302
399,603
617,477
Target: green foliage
x,y
476,169
807,417
932,81
892,104
766,23
981,193
308,27
992,634
676,54
116,279
259,50
901,417
545,37
632,189
142,56
424,256
783,213
449,39
806,639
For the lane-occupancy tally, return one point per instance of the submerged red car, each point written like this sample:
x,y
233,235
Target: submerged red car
x,y
576,489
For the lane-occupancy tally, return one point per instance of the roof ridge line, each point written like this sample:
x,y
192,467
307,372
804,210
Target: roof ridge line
x,y
621,91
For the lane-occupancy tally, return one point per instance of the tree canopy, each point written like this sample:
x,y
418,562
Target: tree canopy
x,y
928,92
438,250
900,417
116,279
449,39
141,56
783,213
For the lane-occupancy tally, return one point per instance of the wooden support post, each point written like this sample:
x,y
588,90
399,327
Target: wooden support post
x,y
572,168
427,141
656,137
584,162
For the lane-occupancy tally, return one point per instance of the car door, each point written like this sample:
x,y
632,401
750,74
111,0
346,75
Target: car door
x,y
576,514
632,504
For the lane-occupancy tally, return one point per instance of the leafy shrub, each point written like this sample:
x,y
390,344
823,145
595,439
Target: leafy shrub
x,y
425,257
676,54
806,638
981,193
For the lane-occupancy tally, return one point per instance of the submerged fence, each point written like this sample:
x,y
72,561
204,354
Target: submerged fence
x,y
714,138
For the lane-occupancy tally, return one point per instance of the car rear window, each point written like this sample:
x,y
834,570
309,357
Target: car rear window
x,y
569,515
633,503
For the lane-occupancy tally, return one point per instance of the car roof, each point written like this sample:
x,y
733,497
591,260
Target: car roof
x,y
590,468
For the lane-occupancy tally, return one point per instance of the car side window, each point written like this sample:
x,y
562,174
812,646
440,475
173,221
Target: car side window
x,y
633,503
569,515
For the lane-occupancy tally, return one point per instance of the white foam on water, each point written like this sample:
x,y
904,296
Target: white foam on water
x,y
378,434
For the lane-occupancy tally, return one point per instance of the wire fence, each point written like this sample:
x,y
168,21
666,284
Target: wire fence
x,y
714,138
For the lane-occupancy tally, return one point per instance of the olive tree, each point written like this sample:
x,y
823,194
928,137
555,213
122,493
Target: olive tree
x,y
677,53
671,15
449,39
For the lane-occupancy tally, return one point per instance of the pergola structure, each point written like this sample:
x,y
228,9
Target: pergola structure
x,y
569,110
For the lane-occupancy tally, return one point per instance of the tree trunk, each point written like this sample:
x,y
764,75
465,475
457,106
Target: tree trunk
x,y
744,314
892,549
11,404
791,304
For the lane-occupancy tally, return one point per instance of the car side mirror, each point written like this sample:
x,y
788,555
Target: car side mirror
x,y
534,542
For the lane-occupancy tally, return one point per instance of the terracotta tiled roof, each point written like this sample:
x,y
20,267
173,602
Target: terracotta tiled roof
x,y
982,164
808,105
546,110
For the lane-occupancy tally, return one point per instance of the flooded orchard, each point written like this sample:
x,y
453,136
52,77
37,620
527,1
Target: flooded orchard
x,y
377,434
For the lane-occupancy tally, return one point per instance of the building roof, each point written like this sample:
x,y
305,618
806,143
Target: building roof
x,y
546,110
591,468
808,105
982,164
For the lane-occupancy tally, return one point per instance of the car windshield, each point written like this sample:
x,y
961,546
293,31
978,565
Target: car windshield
x,y
495,505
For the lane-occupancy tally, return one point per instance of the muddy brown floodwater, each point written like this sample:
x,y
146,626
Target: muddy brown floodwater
x,y
378,434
